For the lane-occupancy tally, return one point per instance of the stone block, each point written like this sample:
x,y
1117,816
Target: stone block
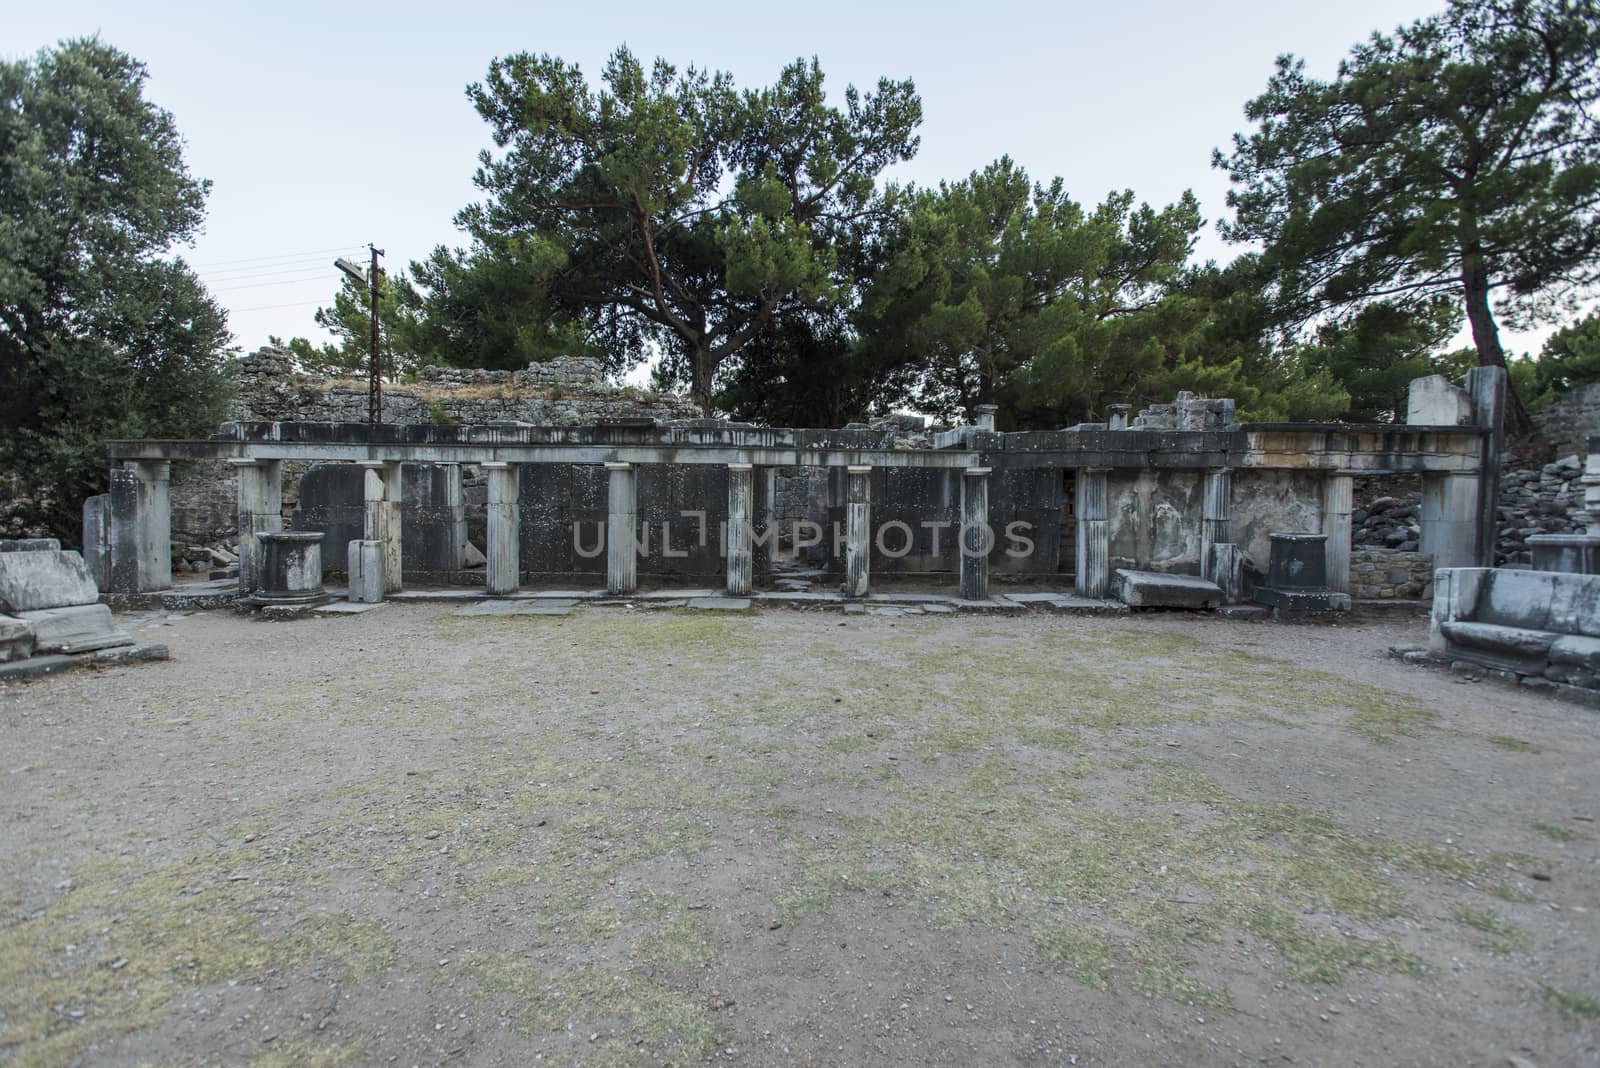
x,y
46,579
16,639
74,629
1154,589
1435,401
1516,641
1577,650
29,545
365,568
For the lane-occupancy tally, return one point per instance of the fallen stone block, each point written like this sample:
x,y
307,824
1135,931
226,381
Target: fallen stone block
x,y
1155,589
74,629
131,654
720,604
1516,641
1577,650
200,596
16,639
35,667
47,578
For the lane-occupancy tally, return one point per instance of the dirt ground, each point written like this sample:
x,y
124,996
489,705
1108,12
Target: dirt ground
x,y
785,837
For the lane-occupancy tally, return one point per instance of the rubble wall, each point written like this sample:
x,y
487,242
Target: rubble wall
x,y
1567,423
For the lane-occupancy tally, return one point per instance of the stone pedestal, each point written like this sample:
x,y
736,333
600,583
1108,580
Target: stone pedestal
x,y
983,417
383,493
858,530
740,548
1297,579
977,538
1093,573
622,524
1117,416
260,512
1577,554
291,568
502,562
365,568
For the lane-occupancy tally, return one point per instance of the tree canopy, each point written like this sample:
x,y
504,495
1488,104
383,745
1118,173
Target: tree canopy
x,y
673,208
1457,156
100,336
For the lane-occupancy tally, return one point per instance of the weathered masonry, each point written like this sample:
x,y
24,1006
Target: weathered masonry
x,y
1182,490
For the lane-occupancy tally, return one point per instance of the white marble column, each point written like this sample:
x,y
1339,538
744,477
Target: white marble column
x,y
501,551
1093,576
1215,527
260,511
741,511
858,530
977,539
155,523
1338,500
622,523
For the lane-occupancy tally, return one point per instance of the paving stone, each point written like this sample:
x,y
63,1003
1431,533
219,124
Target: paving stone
x,y
30,581
346,608
488,608
670,594
939,609
199,596
547,608
131,654
721,604
800,596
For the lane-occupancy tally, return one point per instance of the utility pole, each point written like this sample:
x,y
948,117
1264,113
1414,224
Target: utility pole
x,y
375,370
375,379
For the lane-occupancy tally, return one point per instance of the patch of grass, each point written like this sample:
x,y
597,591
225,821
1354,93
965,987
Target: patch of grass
x,y
1514,895
1554,832
141,938
1575,1006
1498,936
1076,948
1515,745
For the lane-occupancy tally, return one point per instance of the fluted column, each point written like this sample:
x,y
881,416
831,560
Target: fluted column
x,y
503,564
858,530
1093,542
1215,526
741,554
977,539
1338,500
622,524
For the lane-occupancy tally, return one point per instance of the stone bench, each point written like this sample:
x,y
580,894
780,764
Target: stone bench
x,y
1539,625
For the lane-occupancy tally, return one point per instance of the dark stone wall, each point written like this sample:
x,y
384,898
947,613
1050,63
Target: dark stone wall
x,y
331,501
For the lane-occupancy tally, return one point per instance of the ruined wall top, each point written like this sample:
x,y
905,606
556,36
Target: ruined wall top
x,y
565,391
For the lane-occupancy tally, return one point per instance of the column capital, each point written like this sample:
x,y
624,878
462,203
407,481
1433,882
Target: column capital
x,y
976,472
377,465
859,469
739,468
497,465
618,465
248,461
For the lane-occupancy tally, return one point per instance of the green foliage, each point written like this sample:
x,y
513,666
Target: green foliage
x,y
669,207
1570,358
1377,352
998,290
803,370
1456,158
100,337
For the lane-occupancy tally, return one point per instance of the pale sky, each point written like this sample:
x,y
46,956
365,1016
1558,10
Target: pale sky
x,y
324,127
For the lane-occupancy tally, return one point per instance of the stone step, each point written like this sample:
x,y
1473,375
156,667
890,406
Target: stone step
x,y
200,596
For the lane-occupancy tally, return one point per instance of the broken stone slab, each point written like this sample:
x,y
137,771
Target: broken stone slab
x,y
1156,589
487,608
16,639
1517,641
36,667
47,578
71,629
29,545
130,654
472,556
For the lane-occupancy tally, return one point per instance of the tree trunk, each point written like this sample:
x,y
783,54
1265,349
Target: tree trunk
x,y
700,380
1486,339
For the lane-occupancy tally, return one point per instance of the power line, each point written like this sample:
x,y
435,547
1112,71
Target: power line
x,y
270,307
246,281
279,256
313,263
260,285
